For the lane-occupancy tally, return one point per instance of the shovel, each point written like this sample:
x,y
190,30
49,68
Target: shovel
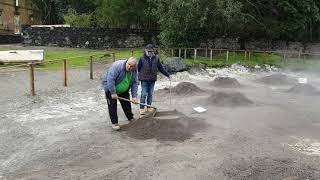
x,y
151,115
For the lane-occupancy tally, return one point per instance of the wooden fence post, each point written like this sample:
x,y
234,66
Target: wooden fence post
x,y
31,72
172,52
185,54
195,54
211,54
245,55
249,55
91,67
179,52
113,57
65,73
227,57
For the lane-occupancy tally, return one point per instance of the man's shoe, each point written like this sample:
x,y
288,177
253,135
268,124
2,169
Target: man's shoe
x,y
143,111
115,127
132,119
150,109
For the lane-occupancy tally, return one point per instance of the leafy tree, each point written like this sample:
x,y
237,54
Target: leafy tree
x,y
49,11
182,22
120,13
53,11
185,22
76,20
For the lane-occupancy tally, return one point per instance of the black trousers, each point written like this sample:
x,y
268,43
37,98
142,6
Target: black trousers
x,y
112,106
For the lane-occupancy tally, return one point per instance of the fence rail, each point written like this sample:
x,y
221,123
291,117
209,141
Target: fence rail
x,y
180,52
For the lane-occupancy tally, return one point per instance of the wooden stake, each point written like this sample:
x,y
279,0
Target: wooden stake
x,y
91,67
31,68
65,73
227,57
245,55
113,57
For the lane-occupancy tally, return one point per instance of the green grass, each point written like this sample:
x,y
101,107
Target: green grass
x,y
77,57
220,60
302,64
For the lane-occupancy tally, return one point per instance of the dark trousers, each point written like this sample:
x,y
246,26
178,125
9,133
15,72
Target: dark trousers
x,y
112,106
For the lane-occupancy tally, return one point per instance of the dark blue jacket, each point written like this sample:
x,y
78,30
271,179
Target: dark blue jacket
x,y
147,68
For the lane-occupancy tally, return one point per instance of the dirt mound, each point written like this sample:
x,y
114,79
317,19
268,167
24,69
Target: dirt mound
x,y
225,82
304,89
183,88
165,126
229,99
276,79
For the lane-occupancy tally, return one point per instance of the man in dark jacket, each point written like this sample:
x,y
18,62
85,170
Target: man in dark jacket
x,y
148,65
120,77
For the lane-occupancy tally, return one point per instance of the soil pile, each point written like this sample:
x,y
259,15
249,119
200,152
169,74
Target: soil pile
x,y
276,79
183,88
304,89
165,126
225,82
229,99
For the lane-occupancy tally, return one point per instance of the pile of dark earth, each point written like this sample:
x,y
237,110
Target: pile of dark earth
x,y
225,82
183,88
164,126
228,99
304,89
277,79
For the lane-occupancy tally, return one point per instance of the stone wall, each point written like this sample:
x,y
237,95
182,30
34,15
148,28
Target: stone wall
x,y
88,37
10,39
132,38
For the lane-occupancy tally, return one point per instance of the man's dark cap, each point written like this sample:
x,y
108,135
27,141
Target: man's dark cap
x,y
149,47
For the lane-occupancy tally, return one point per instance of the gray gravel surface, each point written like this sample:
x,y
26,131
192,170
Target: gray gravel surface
x,y
64,133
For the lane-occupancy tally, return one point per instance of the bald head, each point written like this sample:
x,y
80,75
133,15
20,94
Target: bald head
x,y
131,64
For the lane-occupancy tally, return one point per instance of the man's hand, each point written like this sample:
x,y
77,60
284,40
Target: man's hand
x,y
114,96
135,100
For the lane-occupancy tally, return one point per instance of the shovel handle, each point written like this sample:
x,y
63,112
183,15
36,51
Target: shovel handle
x,y
124,99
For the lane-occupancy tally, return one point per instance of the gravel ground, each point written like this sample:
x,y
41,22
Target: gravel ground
x,y
64,133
